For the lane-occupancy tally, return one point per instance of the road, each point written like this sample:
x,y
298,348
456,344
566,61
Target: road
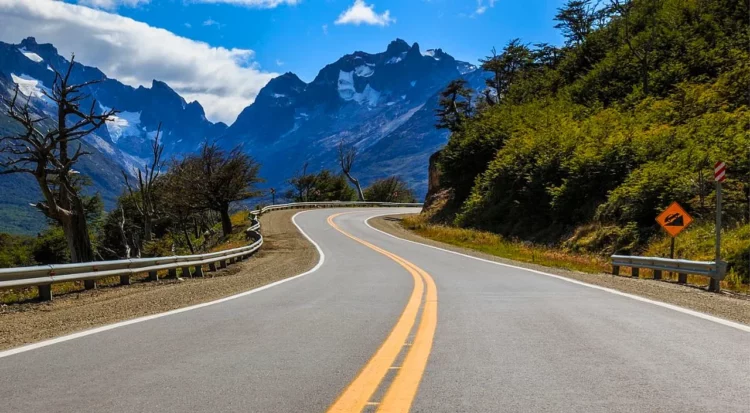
x,y
384,325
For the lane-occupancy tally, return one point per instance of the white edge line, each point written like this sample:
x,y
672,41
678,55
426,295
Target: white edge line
x,y
738,326
108,327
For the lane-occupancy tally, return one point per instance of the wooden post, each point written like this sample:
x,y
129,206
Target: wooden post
x,y
615,270
682,278
153,276
636,272
186,272
212,267
89,284
45,292
173,273
657,274
223,264
198,271
125,280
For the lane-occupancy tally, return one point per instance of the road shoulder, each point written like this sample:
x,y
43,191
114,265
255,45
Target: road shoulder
x,y
285,253
719,305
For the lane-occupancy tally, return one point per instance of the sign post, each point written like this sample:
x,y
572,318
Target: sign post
x,y
720,175
674,220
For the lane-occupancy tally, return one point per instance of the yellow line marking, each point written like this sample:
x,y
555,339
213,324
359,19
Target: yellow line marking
x,y
356,395
404,387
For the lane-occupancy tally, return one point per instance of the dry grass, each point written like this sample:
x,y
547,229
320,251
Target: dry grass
x,y
493,244
496,245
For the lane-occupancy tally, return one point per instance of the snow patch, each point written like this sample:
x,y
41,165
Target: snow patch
x,y
413,83
346,85
430,53
123,124
50,68
279,95
364,71
396,59
390,103
347,91
31,87
31,55
466,68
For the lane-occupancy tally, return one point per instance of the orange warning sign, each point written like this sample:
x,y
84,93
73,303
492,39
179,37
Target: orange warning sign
x,y
674,219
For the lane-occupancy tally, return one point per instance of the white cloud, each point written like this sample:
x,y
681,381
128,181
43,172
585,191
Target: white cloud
x,y
325,29
279,62
212,22
362,13
223,80
112,4
483,5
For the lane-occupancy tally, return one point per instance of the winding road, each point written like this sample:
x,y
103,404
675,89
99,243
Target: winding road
x,y
387,325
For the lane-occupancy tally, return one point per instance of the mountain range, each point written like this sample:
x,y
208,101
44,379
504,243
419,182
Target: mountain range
x,y
381,103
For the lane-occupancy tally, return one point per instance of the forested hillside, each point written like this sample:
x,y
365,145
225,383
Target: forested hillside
x,y
582,146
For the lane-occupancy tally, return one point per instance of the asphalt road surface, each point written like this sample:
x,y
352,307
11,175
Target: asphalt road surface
x,y
387,325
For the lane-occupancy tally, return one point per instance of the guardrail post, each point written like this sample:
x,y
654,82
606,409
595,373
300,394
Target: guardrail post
x,y
212,266
223,264
682,278
173,273
45,292
186,272
125,280
89,284
615,270
636,272
198,271
657,274
153,276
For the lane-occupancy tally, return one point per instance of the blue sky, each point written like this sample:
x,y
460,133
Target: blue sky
x,y
295,36
222,52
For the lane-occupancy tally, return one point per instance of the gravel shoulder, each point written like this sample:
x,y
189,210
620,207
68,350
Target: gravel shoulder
x,y
726,305
285,253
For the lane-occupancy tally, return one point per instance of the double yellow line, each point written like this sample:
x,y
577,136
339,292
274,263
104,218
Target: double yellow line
x,y
400,395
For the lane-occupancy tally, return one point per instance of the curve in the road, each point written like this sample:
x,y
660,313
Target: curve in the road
x,y
400,395
45,343
718,320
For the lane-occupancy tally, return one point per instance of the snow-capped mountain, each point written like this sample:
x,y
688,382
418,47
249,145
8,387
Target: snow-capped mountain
x,y
383,103
123,145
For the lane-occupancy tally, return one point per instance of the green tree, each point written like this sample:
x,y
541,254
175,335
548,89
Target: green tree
x,y
455,105
391,189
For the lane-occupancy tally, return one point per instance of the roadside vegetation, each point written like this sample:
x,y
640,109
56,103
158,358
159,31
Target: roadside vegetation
x,y
580,147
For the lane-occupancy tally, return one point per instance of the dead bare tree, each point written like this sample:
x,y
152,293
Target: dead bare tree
x,y
347,156
144,193
45,149
123,235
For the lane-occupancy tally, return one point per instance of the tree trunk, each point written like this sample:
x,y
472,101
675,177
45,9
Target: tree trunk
x,y
226,221
76,232
355,181
187,238
147,228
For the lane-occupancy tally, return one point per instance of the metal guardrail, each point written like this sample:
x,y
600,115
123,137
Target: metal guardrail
x,y
43,276
659,265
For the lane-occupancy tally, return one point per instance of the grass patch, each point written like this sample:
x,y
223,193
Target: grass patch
x,y
494,244
689,247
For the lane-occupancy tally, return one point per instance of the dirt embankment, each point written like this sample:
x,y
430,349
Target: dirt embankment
x,y
726,305
285,253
